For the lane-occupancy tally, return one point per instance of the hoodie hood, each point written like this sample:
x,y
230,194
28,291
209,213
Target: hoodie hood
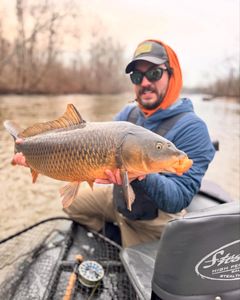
x,y
175,82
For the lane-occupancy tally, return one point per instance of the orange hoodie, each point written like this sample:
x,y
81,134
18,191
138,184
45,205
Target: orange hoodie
x,y
175,82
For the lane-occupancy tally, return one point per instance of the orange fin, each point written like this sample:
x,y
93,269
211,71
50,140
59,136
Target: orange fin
x,y
71,117
34,175
90,184
69,193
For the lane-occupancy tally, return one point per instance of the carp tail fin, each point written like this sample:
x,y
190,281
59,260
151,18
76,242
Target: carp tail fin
x,y
13,128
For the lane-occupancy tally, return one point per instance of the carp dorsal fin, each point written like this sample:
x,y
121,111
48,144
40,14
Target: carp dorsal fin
x,y
70,118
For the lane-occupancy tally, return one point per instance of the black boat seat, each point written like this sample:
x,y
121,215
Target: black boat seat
x,y
198,258
210,194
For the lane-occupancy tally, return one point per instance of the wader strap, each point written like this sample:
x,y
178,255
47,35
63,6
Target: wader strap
x,y
168,123
165,125
133,115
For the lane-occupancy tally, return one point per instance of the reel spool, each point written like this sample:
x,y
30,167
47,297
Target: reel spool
x,y
90,273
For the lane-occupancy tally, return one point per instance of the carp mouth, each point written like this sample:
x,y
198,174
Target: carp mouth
x,y
178,165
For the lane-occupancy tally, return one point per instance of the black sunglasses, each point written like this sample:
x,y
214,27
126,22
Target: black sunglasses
x,y
152,75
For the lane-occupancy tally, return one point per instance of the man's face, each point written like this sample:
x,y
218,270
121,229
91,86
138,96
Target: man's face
x,y
150,94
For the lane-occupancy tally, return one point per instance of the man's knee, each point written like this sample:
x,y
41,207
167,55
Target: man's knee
x,y
94,203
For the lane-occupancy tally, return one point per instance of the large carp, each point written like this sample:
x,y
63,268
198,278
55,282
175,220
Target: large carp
x,y
73,150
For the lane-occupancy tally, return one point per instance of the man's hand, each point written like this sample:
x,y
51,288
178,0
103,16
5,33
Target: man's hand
x,y
115,177
19,159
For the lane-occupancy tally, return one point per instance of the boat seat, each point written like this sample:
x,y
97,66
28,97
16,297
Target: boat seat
x,y
210,194
197,258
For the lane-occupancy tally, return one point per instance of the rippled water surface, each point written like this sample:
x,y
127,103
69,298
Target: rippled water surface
x,y
23,203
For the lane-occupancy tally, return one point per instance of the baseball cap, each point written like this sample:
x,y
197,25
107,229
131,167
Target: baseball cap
x,y
149,51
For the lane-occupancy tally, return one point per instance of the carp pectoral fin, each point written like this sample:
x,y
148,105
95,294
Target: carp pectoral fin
x,y
34,175
127,189
69,193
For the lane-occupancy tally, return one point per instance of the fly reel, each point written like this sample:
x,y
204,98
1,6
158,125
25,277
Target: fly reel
x,y
90,273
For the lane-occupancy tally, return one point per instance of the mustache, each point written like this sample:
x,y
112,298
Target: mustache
x,y
145,89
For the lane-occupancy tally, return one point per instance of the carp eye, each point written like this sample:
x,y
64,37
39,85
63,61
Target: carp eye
x,y
159,146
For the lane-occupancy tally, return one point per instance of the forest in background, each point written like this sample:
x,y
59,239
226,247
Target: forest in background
x,y
34,62
227,85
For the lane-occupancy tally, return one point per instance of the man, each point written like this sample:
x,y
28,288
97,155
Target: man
x,y
156,76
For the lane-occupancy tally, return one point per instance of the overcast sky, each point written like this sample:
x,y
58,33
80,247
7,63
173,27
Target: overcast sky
x,y
203,33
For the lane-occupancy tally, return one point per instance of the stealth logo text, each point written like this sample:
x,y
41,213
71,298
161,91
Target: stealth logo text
x,y
221,264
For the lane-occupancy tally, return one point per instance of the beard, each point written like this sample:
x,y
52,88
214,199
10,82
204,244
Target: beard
x,y
149,105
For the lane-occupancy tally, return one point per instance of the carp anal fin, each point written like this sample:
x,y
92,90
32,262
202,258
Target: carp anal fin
x,y
69,193
127,189
34,175
13,128
70,118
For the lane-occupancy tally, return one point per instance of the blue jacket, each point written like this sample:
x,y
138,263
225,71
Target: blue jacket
x,y
172,193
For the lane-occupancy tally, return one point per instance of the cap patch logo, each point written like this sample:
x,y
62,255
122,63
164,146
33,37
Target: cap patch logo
x,y
143,48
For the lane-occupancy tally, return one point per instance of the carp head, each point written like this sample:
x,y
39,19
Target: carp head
x,y
144,152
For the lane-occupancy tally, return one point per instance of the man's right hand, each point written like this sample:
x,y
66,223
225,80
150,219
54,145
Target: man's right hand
x,y
115,177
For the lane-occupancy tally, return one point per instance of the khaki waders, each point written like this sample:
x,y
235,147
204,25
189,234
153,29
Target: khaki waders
x,y
93,208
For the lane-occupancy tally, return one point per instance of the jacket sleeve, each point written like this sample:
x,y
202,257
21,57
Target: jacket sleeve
x,y
173,193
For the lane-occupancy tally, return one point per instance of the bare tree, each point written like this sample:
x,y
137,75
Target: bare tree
x,y
20,47
106,66
4,50
36,63
36,46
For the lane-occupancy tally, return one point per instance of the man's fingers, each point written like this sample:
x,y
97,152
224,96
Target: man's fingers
x,y
118,177
111,176
141,177
115,177
19,159
19,141
102,181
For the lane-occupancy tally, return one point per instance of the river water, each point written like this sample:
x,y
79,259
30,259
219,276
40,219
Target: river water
x,y
23,203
